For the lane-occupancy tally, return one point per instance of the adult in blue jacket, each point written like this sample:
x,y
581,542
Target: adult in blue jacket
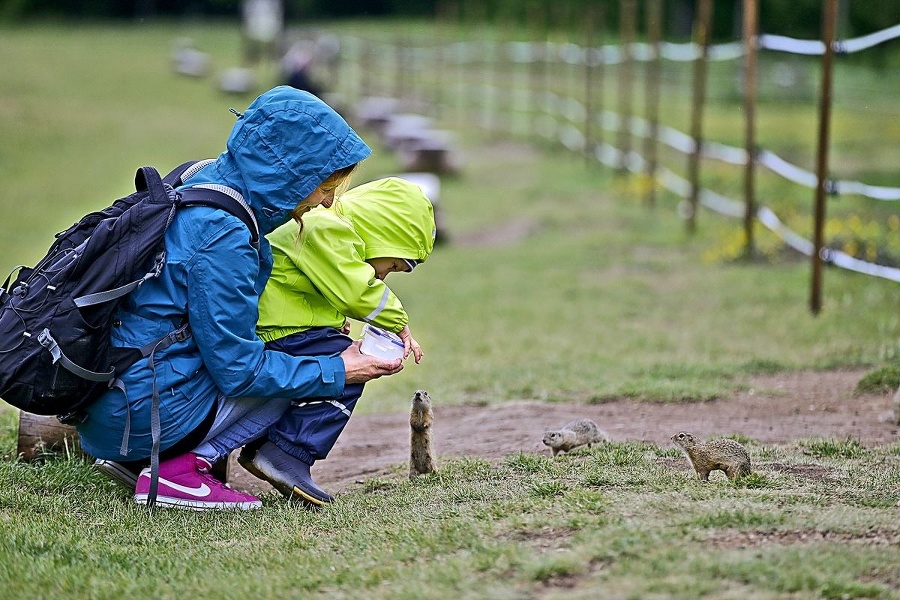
x,y
220,387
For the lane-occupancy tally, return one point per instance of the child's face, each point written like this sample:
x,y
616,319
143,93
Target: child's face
x,y
384,265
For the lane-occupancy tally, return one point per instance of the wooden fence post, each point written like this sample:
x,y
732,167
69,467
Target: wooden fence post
x,y
829,17
446,14
489,64
457,57
652,74
399,69
590,38
365,68
599,84
538,63
627,18
702,25
750,27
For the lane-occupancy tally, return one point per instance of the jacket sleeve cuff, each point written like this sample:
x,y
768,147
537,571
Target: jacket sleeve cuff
x,y
333,374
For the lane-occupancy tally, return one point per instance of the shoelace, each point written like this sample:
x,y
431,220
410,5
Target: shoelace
x,y
207,476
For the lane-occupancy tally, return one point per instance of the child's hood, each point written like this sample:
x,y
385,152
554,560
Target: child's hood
x,y
281,148
392,216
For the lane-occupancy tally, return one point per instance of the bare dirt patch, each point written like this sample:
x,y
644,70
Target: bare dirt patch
x,y
502,234
775,409
752,539
815,472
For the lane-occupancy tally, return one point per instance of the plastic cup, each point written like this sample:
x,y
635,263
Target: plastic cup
x,y
381,343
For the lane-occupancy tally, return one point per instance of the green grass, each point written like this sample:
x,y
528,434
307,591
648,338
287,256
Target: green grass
x,y
602,299
880,381
622,520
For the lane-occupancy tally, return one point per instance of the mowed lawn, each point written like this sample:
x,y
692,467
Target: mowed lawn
x,y
557,284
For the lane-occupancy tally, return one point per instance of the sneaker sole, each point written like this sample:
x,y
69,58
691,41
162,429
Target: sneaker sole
x,y
117,473
290,492
197,505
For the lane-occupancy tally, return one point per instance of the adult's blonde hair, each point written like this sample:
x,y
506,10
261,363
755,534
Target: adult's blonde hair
x,y
339,181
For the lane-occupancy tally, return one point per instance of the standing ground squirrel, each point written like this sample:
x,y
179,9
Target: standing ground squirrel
x,y
573,434
721,454
421,446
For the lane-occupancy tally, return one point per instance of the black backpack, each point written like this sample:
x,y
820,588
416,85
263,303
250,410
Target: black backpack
x,y
56,318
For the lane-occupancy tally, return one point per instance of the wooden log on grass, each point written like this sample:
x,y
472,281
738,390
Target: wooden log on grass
x,y
433,152
39,435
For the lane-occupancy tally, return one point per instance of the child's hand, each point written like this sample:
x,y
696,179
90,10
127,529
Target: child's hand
x,y
345,328
410,345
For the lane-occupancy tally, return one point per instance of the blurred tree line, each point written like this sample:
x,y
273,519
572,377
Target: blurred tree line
x,y
796,18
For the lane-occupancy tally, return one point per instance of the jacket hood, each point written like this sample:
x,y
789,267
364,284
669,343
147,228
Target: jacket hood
x,y
392,216
281,148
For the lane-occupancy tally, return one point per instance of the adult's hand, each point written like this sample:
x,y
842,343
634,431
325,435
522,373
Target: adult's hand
x,y
361,368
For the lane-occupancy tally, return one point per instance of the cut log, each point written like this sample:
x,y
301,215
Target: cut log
x,y
39,435
405,127
374,112
433,152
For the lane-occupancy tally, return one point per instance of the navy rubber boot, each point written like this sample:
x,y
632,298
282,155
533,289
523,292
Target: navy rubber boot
x,y
287,474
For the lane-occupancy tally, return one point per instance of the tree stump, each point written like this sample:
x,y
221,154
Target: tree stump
x,y
405,128
430,159
433,151
39,435
374,112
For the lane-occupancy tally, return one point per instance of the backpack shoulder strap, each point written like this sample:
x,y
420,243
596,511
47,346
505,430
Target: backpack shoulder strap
x,y
204,196
216,199
185,171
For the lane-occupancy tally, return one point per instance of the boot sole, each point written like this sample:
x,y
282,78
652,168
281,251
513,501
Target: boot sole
x,y
290,492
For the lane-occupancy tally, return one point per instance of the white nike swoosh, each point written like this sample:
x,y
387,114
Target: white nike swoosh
x,y
197,492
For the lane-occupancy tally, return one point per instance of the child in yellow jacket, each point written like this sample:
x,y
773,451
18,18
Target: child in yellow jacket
x,y
330,268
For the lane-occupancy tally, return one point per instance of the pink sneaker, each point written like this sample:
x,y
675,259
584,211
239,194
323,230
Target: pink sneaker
x,y
185,482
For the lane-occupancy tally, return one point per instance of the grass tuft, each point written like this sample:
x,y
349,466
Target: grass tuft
x,y
831,448
753,481
882,380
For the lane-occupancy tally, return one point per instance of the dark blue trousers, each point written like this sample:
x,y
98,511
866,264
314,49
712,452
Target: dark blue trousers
x,y
311,426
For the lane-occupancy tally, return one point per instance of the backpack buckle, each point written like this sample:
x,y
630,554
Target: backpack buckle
x,y
72,418
182,333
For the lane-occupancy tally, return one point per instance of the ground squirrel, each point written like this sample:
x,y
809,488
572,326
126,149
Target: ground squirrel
x,y
573,434
421,446
721,454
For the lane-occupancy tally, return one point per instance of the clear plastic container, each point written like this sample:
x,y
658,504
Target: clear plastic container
x,y
381,343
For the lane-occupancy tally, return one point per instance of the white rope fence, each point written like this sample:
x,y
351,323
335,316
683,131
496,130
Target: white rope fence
x,y
729,207
571,113
723,205
572,110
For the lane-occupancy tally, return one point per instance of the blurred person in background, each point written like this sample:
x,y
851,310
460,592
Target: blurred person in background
x,y
263,21
297,67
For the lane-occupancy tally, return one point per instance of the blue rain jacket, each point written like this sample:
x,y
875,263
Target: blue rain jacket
x,y
285,145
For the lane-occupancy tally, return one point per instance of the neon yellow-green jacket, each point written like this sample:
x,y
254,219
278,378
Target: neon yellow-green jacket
x,y
320,276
